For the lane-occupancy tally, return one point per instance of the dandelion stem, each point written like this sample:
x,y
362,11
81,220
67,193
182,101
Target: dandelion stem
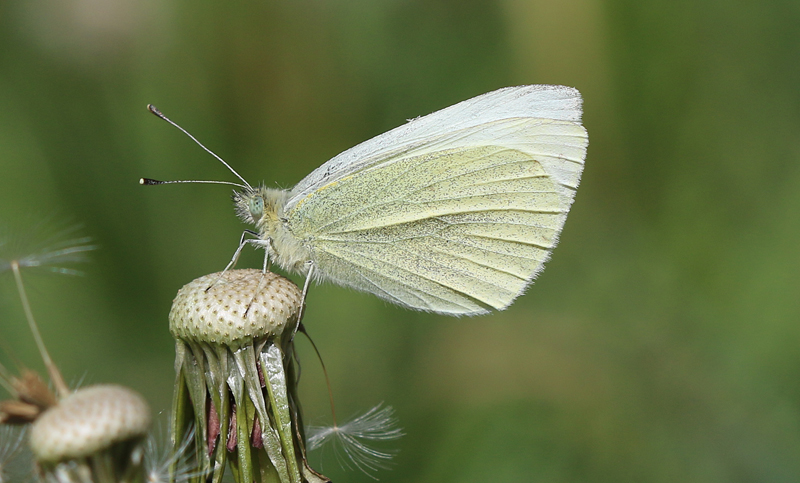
x,y
55,374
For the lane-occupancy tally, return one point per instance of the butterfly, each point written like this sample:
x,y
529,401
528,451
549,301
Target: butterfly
x,y
455,212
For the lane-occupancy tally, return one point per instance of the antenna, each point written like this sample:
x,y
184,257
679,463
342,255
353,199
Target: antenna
x,y
155,182
144,181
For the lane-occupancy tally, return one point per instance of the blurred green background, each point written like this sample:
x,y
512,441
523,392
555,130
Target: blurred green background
x,y
662,342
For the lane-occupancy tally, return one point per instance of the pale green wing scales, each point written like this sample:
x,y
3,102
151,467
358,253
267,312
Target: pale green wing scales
x,y
458,223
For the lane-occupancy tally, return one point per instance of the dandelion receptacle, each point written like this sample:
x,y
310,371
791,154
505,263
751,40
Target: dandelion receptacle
x,y
236,377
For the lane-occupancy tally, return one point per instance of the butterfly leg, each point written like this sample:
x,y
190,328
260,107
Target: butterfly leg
x,y
261,280
305,290
303,297
242,243
267,245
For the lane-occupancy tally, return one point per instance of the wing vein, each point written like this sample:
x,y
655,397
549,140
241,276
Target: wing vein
x,y
425,277
485,237
480,264
388,294
496,252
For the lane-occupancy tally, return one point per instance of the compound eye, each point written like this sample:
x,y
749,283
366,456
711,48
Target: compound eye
x,y
256,207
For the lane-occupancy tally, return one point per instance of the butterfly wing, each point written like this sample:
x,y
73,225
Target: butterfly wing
x,y
457,222
534,101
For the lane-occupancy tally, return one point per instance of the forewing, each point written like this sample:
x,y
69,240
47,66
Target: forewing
x,y
457,225
558,103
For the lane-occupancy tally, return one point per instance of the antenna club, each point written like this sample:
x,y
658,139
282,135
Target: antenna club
x,y
154,110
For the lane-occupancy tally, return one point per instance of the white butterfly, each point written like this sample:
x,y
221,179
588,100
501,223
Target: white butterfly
x,y
455,212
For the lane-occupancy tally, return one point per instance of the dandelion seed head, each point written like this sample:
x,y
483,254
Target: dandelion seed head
x,y
351,440
89,420
234,307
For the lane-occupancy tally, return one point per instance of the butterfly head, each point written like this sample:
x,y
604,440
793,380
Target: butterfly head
x,y
264,207
260,206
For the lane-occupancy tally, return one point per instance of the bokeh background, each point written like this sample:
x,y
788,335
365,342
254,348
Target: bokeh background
x,y
662,342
